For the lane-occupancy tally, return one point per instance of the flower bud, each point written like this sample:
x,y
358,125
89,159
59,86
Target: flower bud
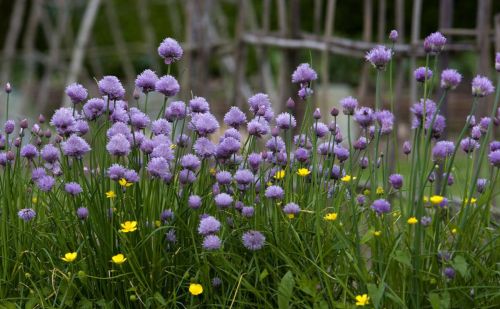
x,y
334,112
8,88
290,103
23,123
41,118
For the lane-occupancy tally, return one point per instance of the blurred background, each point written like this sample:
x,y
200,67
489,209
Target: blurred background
x,y
235,48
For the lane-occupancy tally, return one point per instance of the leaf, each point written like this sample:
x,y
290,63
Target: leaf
x,y
308,286
7,305
263,275
367,237
285,290
376,293
160,299
460,264
434,300
402,257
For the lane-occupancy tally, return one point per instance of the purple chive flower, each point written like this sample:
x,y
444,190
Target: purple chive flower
x,y
406,148
341,153
8,88
227,147
163,151
349,105
146,81
494,158
63,120
481,185
170,50
291,209
285,121
29,152
171,236
204,124
187,176
364,117
258,101
450,79
243,178
38,173
360,199
360,143
73,188
385,119
77,93
396,181
253,240
199,105
393,36
426,221
247,212
194,202
232,132
208,225
182,140
482,86
451,179
116,172
46,183
468,145
167,85
274,192
111,87
204,148
363,162
190,162
379,56
476,132
494,145
176,110
443,149
304,75
320,129
75,146
223,177
161,126
235,117
381,206
82,213
258,127
166,215
94,108
27,214
422,74
302,155
449,273
254,160
158,167
437,127
138,119
484,123
223,200
9,126
434,43
119,128
118,145
211,242
275,144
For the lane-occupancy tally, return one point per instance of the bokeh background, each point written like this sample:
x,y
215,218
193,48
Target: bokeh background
x,y
235,48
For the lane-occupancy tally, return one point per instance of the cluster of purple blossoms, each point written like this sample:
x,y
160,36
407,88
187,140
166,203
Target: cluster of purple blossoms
x,y
381,206
253,240
111,87
422,74
27,214
208,227
442,150
167,85
349,105
77,93
379,57
482,86
434,43
146,81
170,50
450,79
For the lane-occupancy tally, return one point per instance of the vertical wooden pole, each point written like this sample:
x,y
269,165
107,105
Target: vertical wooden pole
x,y
382,21
240,53
328,31
367,37
9,47
415,36
483,27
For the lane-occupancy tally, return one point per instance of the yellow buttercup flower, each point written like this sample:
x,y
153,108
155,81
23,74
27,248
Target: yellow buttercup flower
x,y
70,257
279,175
473,200
412,220
110,194
128,226
118,259
212,171
347,178
367,192
454,231
377,233
173,146
195,289
380,191
34,200
291,216
124,183
332,216
436,199
269,183
157,223
426,199
303,172
362,300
